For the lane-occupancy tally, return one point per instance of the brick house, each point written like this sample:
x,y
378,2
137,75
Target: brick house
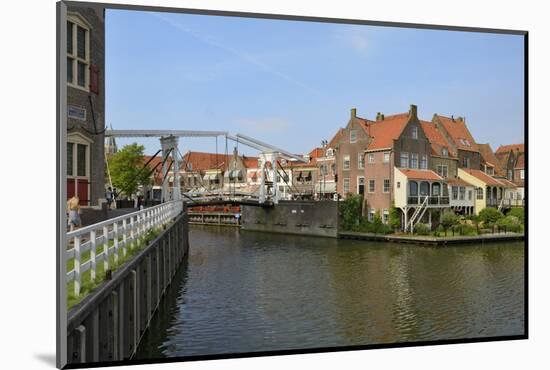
x,y
350,145
86,105
512,160
489,162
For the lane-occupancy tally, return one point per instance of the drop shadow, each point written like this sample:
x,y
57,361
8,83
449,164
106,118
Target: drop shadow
x,y
47,358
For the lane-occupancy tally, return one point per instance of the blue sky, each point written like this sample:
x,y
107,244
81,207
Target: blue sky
x,y
293,83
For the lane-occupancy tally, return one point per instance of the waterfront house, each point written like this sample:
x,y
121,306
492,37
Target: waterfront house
x,y
489,162
489,191
350,145
86,106
512,160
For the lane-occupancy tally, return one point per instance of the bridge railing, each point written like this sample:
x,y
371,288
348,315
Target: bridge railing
x,y
112,237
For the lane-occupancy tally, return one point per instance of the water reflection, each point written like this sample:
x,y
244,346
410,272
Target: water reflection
x,y
245,291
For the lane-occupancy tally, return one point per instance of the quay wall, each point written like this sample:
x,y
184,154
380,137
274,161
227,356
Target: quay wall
x,y
108,324
314,218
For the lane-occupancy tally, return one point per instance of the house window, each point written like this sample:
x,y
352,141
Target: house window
x,y
442,171
371,186
521,174
70,159
470,194
455,192
346,162
415,132
360,185
385,216
330,152
371,157
361,160
386,157
78,53
462,193
436,189
352,136
346,186
445,152
424,162
81,159
466,162
510,174
398,184
414,160
479,194
489,170
386,185
333,168
404,160
371,214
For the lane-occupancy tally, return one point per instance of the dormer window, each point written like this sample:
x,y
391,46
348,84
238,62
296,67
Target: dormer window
x,y
352,136
445,152
330,152
415,132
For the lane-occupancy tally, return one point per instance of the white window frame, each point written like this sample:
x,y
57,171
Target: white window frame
x,y
373,182
384,189
371,158
386,157
77,20
346,181
423,159
522,174
348,161
415,132
415,157
385,216
352,136
440,173
361,161
371,214
401,156
445,152
358,181
76,138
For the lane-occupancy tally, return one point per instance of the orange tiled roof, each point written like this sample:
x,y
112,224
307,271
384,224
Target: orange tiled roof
x,y
512,147
508,184
459,132
436,138
483,177
316,153
337,136
385,131
250,162
421,174
201,161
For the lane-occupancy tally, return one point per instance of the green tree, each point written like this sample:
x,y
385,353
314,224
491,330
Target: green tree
x,y
517,212
350,212
126,167
449,220
394,218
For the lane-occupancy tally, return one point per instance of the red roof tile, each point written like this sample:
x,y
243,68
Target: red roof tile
x,y
508,184
437,139
316,153
459,132
250,162
421,174
385,131
200,161
511,147
458,182
336,138
483,177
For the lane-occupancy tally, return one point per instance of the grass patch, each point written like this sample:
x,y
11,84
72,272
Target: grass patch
x,y
86,283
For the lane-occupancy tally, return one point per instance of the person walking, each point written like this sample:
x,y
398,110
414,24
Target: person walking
x,y
109,196
73,208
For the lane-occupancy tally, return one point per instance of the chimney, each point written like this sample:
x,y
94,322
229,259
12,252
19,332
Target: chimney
x,y
353,113
379,116
413,111
452,118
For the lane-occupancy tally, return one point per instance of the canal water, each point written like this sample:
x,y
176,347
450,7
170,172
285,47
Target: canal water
x,y
245,291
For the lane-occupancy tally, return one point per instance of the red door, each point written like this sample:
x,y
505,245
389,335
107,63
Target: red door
x,y
81,188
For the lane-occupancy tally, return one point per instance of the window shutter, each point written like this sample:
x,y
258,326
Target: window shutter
x,y
94,79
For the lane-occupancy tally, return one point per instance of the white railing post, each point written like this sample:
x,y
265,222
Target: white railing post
x,y
115,240
105,248
92,255
124,238
132,237
77,266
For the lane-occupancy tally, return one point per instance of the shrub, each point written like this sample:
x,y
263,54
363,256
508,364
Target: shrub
x,y
439,231
509,223
489,216
519,213
448,221
466,229
394,218
350,212
421,229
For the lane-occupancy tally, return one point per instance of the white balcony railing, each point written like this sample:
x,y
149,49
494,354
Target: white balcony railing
x,y
112,236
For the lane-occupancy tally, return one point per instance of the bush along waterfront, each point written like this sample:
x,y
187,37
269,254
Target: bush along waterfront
x,y
488,221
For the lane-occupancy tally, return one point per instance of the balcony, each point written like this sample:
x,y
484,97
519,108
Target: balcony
x,y
433,201
506,203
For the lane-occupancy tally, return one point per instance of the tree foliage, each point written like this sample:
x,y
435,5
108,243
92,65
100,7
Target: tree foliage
x,y
519,213
449,220
126,167
489,216
394,219
350,212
